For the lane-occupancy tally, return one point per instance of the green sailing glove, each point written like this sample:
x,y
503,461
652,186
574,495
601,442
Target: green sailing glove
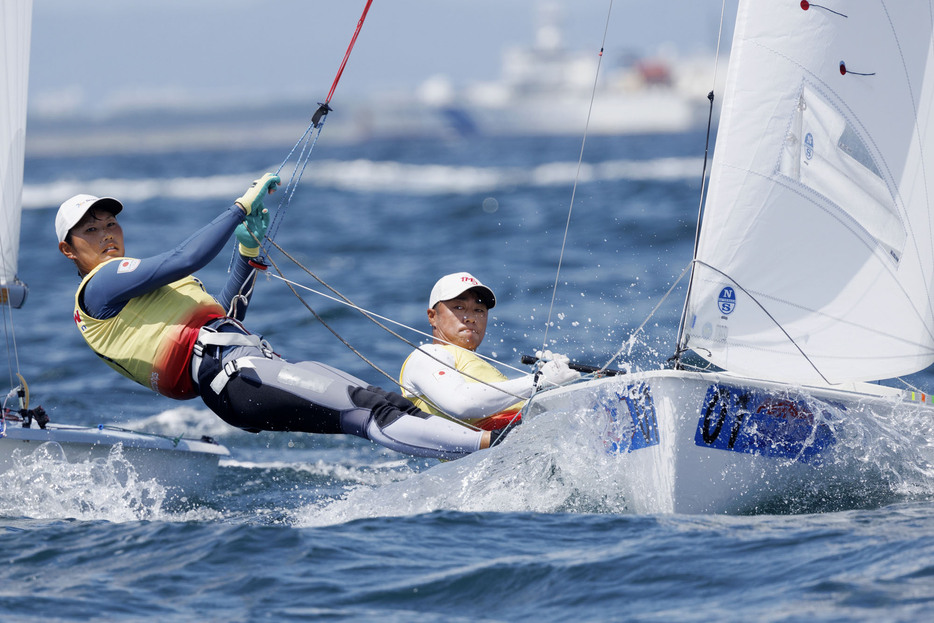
x,y
254,195
256,222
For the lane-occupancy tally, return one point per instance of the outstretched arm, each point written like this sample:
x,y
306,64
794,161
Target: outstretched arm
x,y
120,280
439,383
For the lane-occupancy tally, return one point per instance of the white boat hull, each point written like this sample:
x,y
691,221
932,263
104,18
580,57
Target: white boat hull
x,y
715,443
184,466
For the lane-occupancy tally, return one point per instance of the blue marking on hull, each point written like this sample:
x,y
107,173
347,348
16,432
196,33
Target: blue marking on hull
x,y
757,422
640,430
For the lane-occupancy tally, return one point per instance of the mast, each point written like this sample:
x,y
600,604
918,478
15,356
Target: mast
x,y
15,37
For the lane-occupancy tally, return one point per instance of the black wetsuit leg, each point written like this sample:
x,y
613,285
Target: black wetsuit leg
x,y
272,394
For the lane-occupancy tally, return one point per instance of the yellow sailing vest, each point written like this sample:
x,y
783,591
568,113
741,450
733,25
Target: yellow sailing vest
x,y
469,363
151,339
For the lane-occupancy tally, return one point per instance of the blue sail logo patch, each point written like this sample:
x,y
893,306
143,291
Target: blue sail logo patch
x,y
808,146
727,300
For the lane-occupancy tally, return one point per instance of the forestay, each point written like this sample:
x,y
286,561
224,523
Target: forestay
x,y
815,256
15,29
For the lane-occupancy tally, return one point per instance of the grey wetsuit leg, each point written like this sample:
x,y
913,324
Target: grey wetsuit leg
x,y
272,394
396,423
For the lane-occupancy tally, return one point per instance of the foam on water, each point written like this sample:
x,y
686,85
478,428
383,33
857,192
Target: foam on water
x,y
369,474
367,176
136,190
185,420
44,485
897,444
552,464
557,462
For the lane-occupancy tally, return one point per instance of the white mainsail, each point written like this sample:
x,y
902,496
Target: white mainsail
x,y
15,34
816,254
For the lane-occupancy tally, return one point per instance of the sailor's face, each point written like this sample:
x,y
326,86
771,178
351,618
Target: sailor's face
x,y
460,321
96,238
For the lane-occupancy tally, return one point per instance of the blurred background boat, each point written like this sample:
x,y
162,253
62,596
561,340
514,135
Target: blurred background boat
x,y
544,89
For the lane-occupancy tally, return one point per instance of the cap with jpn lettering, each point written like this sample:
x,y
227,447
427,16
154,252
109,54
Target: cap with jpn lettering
x,y
455,284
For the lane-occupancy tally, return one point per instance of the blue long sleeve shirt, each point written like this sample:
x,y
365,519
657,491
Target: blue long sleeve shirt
x,y
108,291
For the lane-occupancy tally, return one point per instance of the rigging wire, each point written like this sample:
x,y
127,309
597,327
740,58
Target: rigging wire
x,y
3,303
307,142
305,145
9,332
680,347
580,160
372,316
309,139
9,329
768,314
341,300
627,345
629,341
353,40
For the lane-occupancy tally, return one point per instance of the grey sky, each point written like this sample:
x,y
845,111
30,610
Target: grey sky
x,y
103,53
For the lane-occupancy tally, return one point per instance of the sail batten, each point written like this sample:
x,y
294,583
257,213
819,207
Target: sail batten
x,y
816,253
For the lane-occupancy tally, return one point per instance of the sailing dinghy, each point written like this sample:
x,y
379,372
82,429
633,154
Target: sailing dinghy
x,y
812,275
184,466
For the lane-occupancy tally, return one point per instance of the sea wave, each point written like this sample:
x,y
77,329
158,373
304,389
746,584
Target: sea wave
x,y
550,465
368,176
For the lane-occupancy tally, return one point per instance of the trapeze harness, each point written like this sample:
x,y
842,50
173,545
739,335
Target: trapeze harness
x,y
429,379
168,334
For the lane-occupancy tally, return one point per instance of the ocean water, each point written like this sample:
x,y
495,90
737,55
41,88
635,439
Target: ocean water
x,y
300,527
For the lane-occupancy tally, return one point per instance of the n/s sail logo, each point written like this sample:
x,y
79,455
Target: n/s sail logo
x,y
808,146
727,300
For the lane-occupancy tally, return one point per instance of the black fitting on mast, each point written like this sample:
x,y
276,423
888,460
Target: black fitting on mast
x,y
323,110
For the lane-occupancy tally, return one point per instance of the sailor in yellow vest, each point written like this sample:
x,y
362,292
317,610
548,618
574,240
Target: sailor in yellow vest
x,y
447,376
153,322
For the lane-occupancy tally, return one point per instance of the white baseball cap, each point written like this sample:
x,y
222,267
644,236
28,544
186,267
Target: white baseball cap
x,y
455,284
75,208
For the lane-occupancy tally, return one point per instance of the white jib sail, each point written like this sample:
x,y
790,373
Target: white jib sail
x,y
816,254
15,34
